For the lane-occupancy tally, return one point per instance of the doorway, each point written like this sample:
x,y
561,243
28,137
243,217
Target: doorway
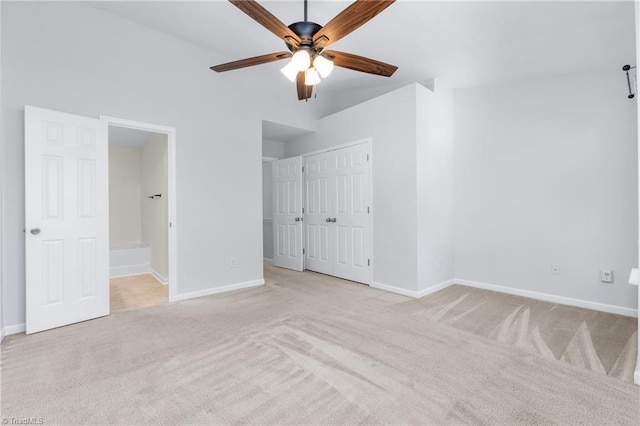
x,y
67,216
141,211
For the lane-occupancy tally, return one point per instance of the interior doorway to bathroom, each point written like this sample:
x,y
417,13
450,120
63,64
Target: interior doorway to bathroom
x,y
139,216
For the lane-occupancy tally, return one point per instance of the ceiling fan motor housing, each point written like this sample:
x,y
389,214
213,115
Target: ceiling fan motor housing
x,y
305,30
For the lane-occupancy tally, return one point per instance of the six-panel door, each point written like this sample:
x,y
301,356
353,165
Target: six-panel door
x,y
318,208
66,216
337,213
287,213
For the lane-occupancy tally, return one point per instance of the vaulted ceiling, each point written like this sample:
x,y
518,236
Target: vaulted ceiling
x,y
463,43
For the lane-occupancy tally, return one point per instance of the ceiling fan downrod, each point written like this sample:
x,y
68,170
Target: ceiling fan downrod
x,y
305,30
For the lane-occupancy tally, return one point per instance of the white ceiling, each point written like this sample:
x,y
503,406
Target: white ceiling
x,y
464,44
128,137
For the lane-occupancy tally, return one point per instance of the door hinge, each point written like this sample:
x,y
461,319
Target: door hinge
x,y
368,211
170,224
302,251
367,157
303,210
368,262
302,169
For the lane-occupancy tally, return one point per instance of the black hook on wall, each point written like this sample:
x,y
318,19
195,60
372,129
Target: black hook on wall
x,y
154,196
626,69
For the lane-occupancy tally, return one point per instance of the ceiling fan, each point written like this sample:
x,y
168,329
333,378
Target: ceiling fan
x,y
307,41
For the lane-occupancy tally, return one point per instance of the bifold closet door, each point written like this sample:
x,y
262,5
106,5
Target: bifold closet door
x,y
351,219
287,213
318,208
337,213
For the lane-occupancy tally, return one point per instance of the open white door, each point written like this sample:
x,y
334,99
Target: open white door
x,y
287,213
67,227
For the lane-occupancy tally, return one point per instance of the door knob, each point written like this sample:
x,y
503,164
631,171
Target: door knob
x,y
297,219
333,220
328,219
34,231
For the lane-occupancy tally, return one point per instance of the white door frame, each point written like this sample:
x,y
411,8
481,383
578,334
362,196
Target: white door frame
x,y
171,184
368,141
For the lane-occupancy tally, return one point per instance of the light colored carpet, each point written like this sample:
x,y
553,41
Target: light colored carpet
x,y
303,349
601,342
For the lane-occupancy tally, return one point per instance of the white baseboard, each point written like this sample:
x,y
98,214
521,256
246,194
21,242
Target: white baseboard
x,y
162,280
13,329
266,259
436,287
411,293
612,309
216,290
636,376
125,271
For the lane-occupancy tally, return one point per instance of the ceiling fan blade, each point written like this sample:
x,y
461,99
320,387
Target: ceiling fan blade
x,y
349,20
304,91
249,62
360,63
265,18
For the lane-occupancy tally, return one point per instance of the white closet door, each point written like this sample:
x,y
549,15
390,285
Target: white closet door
x,y
318,209
337,213
287,214
352,244
67,226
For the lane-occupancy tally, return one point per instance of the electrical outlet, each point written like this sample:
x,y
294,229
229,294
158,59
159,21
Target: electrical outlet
x,y
555,269
606,275
233,263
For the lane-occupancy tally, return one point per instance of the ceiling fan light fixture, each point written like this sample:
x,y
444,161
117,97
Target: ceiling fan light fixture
x,y
301,60
290,71
323,65
311,77
306,43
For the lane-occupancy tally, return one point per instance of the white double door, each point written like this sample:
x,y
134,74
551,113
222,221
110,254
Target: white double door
x,y
337,213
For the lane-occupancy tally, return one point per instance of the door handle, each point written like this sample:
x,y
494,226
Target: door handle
x,y
298,219
333,220
328,220
34,231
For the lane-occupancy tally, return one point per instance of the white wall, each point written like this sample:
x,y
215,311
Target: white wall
x,y
120,69
267,214
273,149
124,194
546,173
270,149
435,170
391,122
154,213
